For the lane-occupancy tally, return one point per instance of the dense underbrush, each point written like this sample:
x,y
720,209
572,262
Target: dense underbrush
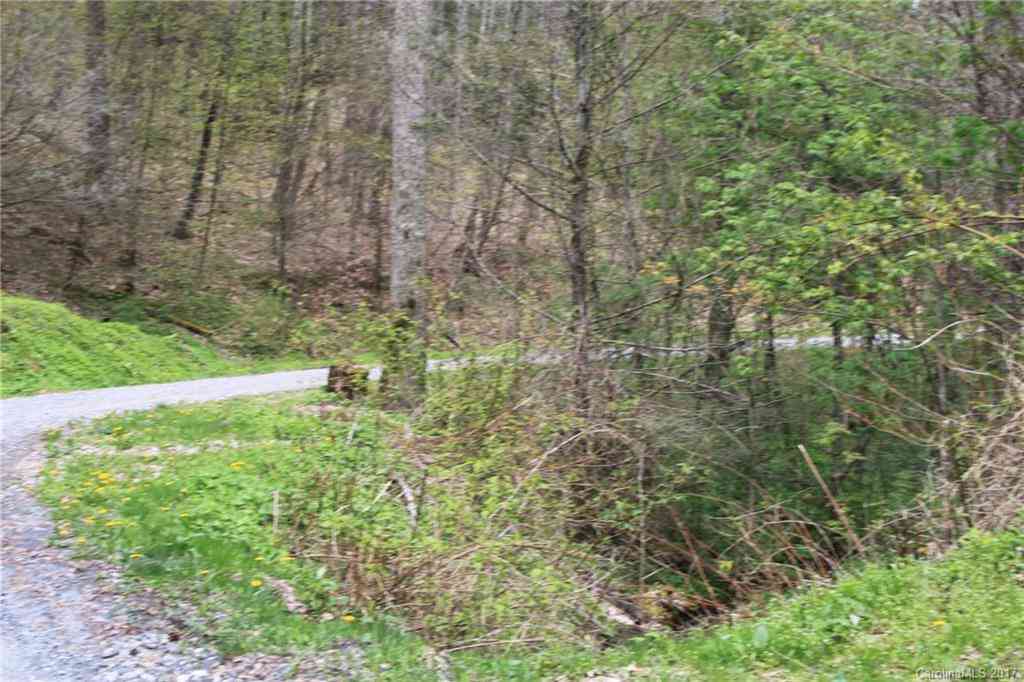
x,y
296,522
350,507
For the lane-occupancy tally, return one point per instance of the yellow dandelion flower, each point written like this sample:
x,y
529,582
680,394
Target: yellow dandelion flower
x,y
287,558
348,618
259,558
64,532
183,514
204,572
255,582
135,555
80,541
102,510
165,509
939,622
88,520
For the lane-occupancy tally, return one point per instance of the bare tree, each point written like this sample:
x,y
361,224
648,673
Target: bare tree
x,y
97,185
579,239
409,156
292,142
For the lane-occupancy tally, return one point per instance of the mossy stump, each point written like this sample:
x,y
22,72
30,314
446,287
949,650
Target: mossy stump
x,y
347,380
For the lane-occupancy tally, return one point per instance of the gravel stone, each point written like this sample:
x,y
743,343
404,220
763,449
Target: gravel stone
x,y
69,620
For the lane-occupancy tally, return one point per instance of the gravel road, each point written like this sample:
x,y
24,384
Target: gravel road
x,y
63,619
23,419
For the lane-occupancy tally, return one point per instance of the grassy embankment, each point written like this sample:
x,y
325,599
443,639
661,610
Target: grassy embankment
x,y
46,348
185,498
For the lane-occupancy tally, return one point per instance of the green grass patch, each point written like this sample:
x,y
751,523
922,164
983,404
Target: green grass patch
x,y
196,515
46,348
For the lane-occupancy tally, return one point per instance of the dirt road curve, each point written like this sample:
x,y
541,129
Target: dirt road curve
x,y
59,620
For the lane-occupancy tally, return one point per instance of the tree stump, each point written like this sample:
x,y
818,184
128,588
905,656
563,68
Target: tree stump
x,y
348,380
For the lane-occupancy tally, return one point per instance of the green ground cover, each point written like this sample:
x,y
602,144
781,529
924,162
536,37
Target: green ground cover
x,y
185,498
45,348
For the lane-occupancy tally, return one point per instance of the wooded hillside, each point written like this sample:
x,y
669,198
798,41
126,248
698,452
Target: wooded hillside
x,y
760,265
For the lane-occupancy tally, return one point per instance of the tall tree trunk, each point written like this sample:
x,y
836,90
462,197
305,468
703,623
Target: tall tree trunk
x,y
96,201
626,135
181,230
583,29
218,176
409,156
459,58
838,360
409,45
378,226
772,390
721,322
291,150
98,98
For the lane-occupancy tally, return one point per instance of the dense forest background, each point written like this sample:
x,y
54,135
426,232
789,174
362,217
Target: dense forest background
x,y
764,259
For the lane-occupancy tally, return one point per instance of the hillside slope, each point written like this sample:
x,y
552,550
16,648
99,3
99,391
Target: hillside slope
x,y
46,347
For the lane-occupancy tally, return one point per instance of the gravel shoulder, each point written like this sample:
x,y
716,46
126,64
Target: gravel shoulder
x,y
63,619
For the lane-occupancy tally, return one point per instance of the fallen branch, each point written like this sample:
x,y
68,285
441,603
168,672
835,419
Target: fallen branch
x,y
408,496
492,642
191,326
832,500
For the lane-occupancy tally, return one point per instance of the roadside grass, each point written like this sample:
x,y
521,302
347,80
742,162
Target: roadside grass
x,y
46,348
184,497
196,515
